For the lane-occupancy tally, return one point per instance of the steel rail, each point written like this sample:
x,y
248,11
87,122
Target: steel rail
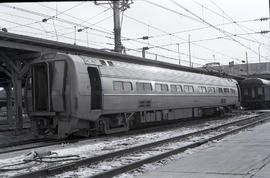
x,y
50,142
90,160
144,129
137,164
31,144
6,145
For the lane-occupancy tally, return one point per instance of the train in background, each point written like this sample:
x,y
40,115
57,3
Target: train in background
x,y
84,95
255,93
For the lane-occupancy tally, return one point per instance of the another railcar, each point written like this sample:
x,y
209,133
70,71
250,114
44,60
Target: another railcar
x,y
255,93
72,94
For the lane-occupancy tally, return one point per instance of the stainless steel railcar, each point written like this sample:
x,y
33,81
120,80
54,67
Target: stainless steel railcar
x,y
255,93
72,94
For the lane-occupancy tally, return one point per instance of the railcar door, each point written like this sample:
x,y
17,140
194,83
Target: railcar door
x,y
28,101
41,87
239,92
95,83
58,85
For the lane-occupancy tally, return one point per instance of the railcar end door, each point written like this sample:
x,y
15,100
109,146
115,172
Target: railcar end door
x,y
41,87
58,85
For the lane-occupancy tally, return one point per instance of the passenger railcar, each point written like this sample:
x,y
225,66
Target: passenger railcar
x,y
72,94
255,93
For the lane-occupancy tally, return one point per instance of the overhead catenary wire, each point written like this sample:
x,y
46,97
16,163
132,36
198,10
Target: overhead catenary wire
x,y
190,30
66,37
173,11
227,18
140,42
60,27
63,12
109,36
58,19
163,56
239,25
82,21
72,23
220,30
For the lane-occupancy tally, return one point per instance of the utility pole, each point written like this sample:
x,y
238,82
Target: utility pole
x,y
259,52
247,64
117,28
214,58
117,5
179,53
189,53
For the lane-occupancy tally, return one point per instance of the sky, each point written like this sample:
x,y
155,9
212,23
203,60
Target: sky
x,y
220,31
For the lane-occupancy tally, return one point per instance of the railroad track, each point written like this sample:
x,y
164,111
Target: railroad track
x,y
167,147
31,144
36,143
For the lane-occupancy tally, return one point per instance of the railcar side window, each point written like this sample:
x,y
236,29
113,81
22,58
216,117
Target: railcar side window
x,y
139,86
147,86
185,88
201,89
176,88
143,86
226,90
220,90
260,91
191,89
158,87
179,88
211,90
118,85
204,90
252,92
188,88
161,87
173,88
127,86
245,91
164,87
233,91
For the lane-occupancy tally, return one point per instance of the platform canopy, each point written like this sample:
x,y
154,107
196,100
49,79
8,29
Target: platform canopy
x,y
27,48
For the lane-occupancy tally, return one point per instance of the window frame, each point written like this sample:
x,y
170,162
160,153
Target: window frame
x,y
226,90
123,88
211,90
162,87
261,91
158,85
190,89
220,90
119,82
144,88
131,87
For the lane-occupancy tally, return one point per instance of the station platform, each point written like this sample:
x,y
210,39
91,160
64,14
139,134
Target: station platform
x,y
243,155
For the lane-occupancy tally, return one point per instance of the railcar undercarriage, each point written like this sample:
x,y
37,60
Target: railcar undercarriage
x,y
115,123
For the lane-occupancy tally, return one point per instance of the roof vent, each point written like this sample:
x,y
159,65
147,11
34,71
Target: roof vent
x,y
102,62
110,63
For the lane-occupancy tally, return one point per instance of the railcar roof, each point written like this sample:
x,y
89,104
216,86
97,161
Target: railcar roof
x,y
255,81
127,70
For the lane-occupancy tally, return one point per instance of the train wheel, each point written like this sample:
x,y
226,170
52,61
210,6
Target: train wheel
x,y
101,126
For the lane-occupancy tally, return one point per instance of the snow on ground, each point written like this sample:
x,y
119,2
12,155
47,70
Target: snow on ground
x,y
93,147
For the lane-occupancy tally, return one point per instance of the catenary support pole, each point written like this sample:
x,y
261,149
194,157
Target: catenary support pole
x,y
189,51
117,27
